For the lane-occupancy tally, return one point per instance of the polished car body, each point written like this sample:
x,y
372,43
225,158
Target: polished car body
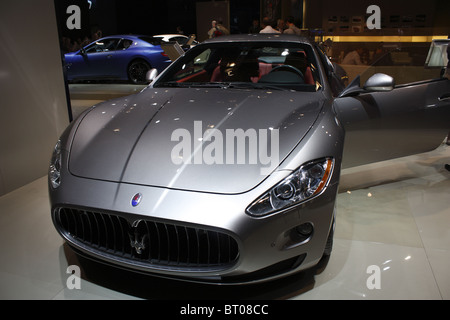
x,y
120,57
225,169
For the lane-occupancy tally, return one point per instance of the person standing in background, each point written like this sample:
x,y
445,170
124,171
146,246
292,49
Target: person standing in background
x,y
255,26
217,29
353,57
281,25
222,28
291,27
267,26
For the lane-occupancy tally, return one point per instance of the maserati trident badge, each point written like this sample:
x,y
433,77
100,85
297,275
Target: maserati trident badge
x,y
138,238
138,245
136,199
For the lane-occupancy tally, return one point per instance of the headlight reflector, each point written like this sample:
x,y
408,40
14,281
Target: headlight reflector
x,y
303,184
54,172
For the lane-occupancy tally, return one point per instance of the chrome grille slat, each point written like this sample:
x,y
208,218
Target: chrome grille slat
x,y
150,242
124,235
98,230
105,232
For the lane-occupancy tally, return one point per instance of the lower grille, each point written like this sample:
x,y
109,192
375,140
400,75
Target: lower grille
x,y
148,242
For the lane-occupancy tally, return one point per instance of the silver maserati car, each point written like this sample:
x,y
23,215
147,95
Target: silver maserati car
x,y
225,168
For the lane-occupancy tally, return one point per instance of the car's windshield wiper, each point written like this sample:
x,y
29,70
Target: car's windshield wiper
x,y
193,84
222,85
209,84
263,86
171,84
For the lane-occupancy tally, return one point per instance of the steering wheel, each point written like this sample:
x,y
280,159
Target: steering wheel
x,y
289,68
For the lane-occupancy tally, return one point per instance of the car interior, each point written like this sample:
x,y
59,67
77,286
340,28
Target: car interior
x,y
284,67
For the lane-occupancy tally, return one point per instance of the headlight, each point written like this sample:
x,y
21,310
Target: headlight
x,y
54,172
305,183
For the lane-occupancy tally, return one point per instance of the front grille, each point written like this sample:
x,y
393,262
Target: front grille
x,y
147,242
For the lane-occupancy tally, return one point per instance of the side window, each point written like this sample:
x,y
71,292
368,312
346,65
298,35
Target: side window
x,y
438,54
405,62
124,44
202,58
93,47
102,46
194,66
111,44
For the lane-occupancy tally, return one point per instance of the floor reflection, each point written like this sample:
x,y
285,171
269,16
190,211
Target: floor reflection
x,y
145,286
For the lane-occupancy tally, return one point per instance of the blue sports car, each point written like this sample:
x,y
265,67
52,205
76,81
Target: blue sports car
x,y
121,57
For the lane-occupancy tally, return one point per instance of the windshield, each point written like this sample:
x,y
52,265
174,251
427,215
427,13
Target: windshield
x,y
281,66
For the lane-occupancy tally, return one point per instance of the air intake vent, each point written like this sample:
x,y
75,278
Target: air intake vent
x,y
146,241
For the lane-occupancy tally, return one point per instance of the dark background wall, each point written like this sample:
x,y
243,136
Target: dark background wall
x,y
148,17
156,17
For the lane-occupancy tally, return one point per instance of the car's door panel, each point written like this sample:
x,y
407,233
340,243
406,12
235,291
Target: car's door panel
x,y
97,61
100,62
379,126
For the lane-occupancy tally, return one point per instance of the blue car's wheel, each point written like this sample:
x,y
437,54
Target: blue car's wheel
x,y
137,71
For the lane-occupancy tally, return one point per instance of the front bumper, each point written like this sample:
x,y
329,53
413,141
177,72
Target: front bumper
x,y
231,246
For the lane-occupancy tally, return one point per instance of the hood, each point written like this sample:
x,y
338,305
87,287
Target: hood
x,y
209,140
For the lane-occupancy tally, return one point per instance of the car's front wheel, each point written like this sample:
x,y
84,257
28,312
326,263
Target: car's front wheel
x,y
137,71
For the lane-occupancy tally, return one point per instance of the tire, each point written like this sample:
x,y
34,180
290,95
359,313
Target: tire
x,y
137,71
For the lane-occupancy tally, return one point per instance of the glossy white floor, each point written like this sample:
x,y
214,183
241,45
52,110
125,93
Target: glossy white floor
x,y
393,230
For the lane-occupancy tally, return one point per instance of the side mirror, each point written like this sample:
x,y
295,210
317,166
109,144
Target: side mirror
x,y
151,75
379,82
82,51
